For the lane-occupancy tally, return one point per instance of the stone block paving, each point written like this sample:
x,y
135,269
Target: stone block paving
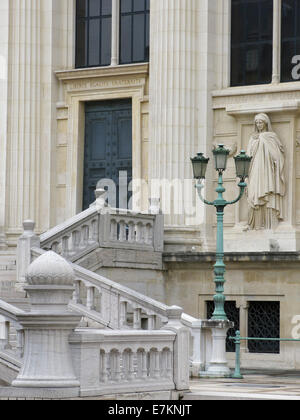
x,y
272,385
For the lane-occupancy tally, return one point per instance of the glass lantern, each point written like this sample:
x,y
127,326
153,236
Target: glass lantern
x,y
242,165
221,155
199,163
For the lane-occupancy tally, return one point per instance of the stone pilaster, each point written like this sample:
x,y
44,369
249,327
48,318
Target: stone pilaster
x,y
25,111
39,39
173,97
183,72
4,51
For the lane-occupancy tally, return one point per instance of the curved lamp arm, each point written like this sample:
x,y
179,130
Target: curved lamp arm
x,y
199,185
242,186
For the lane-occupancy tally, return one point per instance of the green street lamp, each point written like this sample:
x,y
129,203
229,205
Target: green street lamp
x,y
242,163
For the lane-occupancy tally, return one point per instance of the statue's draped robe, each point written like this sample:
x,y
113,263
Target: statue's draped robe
x,y
266,186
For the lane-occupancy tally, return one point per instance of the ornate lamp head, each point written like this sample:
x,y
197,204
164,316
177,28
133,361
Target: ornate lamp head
x,y
199,163
221,155
242,164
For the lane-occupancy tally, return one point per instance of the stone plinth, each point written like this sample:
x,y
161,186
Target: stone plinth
x,y
216,366
47,358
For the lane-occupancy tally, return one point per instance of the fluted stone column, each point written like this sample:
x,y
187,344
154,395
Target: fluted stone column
x,y
173,98
47,357
4,52
38,44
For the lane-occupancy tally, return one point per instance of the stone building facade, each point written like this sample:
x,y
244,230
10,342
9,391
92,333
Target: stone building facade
x,y
194,74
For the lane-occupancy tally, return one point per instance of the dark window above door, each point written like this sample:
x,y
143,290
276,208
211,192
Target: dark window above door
x,y
93,33
251,42
134,31
94,29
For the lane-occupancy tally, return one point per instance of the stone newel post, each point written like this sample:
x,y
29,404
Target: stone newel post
x,y
47,357
28,240
181,348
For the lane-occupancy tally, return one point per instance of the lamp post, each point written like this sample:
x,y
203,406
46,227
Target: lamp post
x,y
242,162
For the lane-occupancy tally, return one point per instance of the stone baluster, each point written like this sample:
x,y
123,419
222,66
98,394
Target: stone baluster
x,y
84,236
169,364
4,342
144,364
137,319
113,230
76,293
139,233
55,247
131,371
20,341
122,232
152,363
123,314
131,232
128,359
148,234
90,298
65,246
115,366
139,360
76,238
151,322
156,364
95,234
104,359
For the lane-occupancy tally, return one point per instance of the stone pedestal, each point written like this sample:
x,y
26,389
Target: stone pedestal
x,y
47,357
217,365
28,240
181,348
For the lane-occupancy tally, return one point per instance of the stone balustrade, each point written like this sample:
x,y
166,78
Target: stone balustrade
x,y
89,362
126,229
117,307
124,361
109,228
74,238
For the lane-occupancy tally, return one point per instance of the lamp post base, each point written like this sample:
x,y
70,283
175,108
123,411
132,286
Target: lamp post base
x,y
217,365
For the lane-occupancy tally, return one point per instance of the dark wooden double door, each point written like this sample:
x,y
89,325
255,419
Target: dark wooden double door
x,y
108,149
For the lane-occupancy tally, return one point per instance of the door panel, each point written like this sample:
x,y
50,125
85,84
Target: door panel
x,y
108,147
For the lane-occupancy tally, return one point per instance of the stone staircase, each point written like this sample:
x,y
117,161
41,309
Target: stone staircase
x,y
104,305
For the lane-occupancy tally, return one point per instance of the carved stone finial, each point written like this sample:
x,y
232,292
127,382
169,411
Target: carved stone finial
x,y
50,269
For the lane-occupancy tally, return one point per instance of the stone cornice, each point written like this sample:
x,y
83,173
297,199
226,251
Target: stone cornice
x,y
256,89
103,72
239,101
247,257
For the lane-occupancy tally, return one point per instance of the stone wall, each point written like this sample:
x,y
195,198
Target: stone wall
x,y
249,277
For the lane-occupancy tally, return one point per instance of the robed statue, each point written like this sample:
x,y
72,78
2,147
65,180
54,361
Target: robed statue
x,y
266,186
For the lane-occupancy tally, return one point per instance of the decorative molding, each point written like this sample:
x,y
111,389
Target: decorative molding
x,y
266,107
85,78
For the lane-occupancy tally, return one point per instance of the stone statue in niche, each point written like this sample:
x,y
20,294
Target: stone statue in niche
x,y
266,186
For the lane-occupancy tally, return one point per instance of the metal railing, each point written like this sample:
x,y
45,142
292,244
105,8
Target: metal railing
x,y
237,341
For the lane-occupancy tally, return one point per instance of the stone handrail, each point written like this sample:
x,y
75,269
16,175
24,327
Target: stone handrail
x,y
124,361
9,325
75,237
107,228
112,304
